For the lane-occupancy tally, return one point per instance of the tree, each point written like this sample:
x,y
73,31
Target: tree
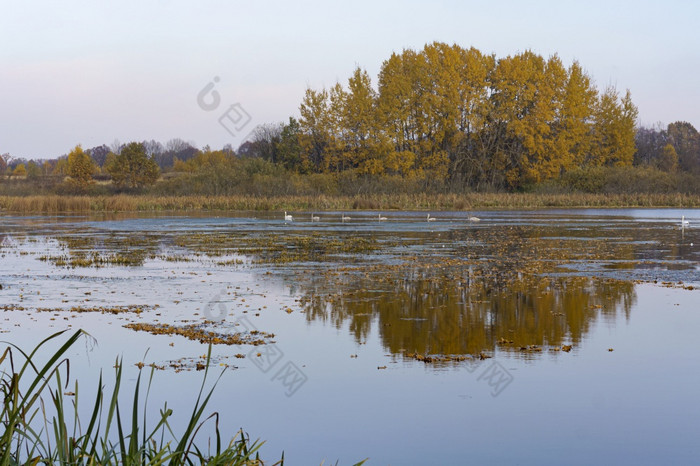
x,y
668,161
61,166
132,168
264,141
19,170
446,111
524,104
315,127
174,148
99,154
363,145
686,141
649,142
153,148
574,127
80,167
615,123
46,167
33,170
4,163
288,148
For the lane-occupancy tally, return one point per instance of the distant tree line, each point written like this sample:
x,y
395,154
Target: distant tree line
x,y
445,113
452,112
457,114
676,147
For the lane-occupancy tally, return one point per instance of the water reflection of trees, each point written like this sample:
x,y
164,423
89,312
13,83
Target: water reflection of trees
x,y
437,310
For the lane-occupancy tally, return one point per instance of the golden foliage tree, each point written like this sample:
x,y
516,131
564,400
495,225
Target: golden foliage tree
x,y
20,170
615,123
668,159
80,167
446,111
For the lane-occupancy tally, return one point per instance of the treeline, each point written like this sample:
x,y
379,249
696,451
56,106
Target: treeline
x,y
457,113
676,147
442,119
164,155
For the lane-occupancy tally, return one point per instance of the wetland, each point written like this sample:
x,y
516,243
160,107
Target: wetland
x,y
529,336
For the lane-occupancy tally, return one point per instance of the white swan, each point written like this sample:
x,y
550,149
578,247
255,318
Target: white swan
x,y
380,218
315,218
684,222
431,219
288,218
474,219
344,218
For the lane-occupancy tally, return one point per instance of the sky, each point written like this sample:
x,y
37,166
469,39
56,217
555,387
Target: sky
x,y
209,71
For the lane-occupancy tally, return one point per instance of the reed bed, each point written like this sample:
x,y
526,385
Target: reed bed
x,y
53,204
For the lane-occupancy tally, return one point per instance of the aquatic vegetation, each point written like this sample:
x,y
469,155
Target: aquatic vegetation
x,y
199,363
95,259
104,250
449,289
198,333
130,309
436,358
41,422
274,248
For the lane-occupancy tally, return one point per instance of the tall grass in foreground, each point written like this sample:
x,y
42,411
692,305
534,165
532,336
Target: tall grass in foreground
x,y
30,435
50,204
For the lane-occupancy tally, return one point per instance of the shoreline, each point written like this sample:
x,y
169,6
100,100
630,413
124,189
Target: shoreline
x,y
386,202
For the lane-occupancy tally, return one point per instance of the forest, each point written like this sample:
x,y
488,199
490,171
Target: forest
x,y
444,119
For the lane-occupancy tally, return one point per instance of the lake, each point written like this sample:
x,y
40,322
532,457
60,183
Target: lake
x,y
528,337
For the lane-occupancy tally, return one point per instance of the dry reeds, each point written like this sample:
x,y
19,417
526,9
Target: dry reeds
x,y
52,204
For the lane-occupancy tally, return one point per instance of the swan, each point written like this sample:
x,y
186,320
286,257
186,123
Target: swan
x,y
431,219
288,218
380,218
684,222
315,218
344,218
474,219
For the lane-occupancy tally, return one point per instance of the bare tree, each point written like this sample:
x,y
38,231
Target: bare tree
x,y
153,147
99,154
116,147
264,142
650,142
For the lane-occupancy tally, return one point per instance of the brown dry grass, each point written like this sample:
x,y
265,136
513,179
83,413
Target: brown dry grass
x,y
49,204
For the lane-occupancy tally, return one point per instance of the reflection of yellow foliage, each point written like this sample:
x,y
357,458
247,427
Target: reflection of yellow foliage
x,y
465,306
435,314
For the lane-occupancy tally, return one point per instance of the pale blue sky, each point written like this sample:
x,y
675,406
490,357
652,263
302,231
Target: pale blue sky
x,y
90,72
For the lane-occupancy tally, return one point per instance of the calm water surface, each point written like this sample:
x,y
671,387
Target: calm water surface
x,y
530,337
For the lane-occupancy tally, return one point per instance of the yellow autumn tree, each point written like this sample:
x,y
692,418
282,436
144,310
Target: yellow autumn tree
x,y
396,107
446,112
80,168
315,127
614,130
668,159
20,170
575,126
365,144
